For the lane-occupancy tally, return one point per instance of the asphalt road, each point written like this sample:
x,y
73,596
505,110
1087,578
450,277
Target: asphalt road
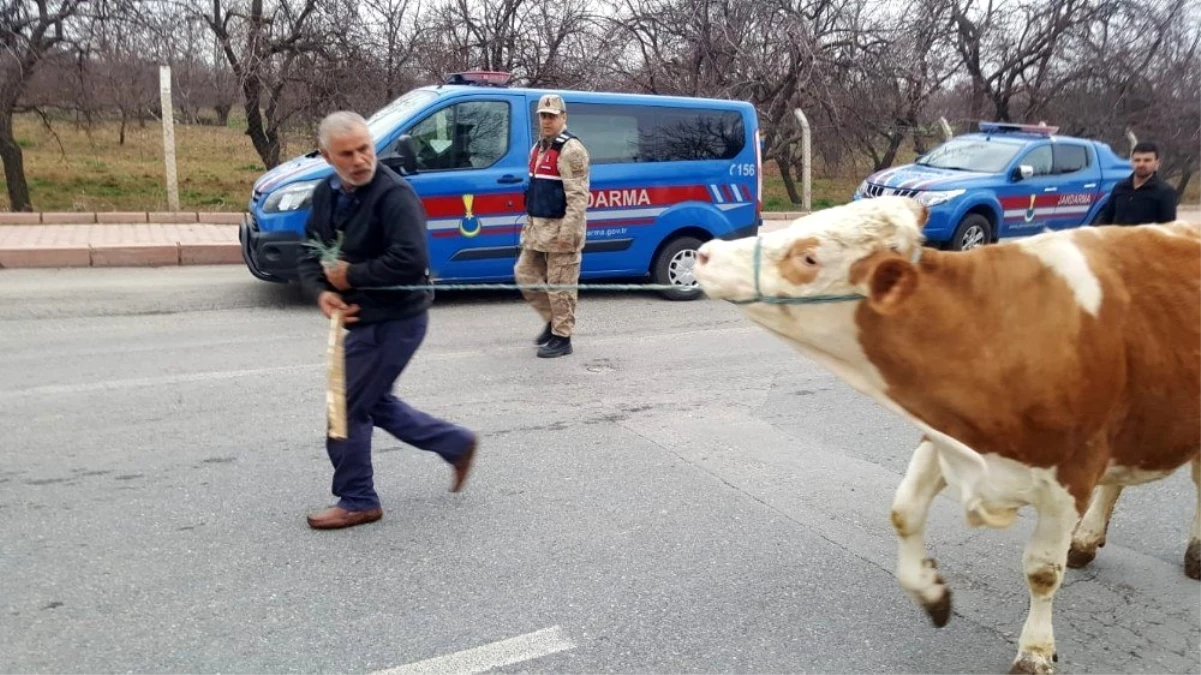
x,y
683,494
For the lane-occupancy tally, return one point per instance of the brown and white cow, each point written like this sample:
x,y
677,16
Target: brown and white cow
x,y
1042,372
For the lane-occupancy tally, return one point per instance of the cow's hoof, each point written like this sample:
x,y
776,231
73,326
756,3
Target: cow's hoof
x,y
1034,664
1078,558
1192,560
939,609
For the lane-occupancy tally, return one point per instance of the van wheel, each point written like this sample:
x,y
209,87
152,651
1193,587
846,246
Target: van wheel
x,y
673,265
975,230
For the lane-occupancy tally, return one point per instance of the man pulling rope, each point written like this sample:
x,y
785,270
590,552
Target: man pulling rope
x,y
375,220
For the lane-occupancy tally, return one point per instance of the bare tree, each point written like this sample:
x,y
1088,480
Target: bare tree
x,y
273,43
395,28
28,33
540,42
1008,48
886,85
770,53
120,75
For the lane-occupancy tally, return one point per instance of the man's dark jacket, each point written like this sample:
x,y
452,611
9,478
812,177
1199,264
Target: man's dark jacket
x,y
384,240
1153,202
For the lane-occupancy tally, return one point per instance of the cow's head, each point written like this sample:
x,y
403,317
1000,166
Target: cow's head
x,y
826,259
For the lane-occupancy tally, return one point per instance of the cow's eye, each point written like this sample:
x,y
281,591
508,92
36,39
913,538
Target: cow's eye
x,y
810,260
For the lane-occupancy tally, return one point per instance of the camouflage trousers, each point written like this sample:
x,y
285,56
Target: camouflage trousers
x,y
555,307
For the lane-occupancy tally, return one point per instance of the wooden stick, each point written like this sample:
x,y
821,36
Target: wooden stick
x,y
335,393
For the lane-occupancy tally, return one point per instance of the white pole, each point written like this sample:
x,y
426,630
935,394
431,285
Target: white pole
x,y
807,156
164,79
947,134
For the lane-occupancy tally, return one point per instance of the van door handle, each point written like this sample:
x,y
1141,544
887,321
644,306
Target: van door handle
x,y
509,178
1090,185
1051,189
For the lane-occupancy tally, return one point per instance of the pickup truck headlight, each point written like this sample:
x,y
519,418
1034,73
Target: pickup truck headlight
x,y
936,197
291,197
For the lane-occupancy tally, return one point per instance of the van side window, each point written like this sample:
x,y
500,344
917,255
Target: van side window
x,y
674,135
1070,158
609,132
617,134
470,135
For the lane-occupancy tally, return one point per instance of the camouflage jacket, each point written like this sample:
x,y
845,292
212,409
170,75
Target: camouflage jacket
x,y
566,234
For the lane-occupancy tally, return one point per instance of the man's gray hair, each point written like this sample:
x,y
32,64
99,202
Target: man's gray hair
x,y
337,123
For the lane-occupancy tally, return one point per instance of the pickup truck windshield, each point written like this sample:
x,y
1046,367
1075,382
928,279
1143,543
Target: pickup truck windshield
x,y
972,154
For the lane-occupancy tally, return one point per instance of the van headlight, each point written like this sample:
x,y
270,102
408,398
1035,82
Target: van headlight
x,y
936,197
291,197
861,191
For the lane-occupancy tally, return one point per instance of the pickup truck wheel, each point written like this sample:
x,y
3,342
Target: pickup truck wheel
x,y
974,231
673,265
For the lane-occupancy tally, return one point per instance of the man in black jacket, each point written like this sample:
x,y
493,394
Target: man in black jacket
x,y
1143,197
382,223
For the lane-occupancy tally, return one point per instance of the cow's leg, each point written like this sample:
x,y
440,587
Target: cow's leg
x,y
1090,533
1192,556
911,504
1044,559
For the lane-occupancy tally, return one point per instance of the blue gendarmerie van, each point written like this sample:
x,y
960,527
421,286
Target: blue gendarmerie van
x,y
667,174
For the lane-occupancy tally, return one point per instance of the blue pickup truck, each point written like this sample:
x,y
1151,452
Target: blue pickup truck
x,y
1007,180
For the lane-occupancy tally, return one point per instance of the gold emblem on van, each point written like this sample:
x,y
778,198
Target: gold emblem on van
x,y
469,225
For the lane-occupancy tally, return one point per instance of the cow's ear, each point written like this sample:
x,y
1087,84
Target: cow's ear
x,y
890,284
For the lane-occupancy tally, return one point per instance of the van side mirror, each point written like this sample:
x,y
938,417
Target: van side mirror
x,y
1022,172
405,158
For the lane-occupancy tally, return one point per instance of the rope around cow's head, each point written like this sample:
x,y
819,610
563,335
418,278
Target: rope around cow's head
x,y
777,300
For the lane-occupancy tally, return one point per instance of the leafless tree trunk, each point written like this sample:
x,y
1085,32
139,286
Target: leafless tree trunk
x,y
1008,47
28,32
263,66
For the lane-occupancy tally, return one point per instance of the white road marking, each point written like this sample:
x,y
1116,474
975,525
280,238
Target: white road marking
x,y
142,382
482,659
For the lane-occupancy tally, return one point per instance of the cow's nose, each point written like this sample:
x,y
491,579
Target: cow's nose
x,y
702,257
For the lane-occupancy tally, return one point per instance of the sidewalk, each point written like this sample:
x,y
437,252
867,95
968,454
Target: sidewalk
x,y
161,239
121,245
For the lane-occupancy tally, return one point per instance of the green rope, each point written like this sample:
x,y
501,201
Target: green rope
x,y
330,254
773,300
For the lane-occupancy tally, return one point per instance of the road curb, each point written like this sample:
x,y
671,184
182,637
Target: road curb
x,y
123,255
210,253
46,256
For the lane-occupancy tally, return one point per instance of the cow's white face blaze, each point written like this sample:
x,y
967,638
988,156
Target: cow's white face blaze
x,y
814,256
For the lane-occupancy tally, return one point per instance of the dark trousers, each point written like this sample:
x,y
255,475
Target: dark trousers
x,y
376,354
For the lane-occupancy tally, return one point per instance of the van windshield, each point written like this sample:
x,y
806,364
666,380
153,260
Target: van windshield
x,y
972,154
388,117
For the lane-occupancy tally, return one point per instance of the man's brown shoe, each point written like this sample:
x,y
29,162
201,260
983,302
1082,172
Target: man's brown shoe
x,y
337,517
462,466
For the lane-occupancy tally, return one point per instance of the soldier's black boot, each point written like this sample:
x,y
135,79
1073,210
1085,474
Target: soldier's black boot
x,y
544,336
558,346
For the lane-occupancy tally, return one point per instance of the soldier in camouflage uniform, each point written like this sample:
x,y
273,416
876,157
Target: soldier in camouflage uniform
x,y
552,240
